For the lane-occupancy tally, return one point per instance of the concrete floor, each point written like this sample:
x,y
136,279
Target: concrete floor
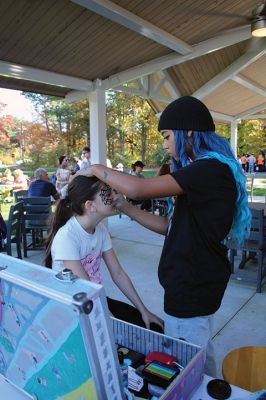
x,y
241,319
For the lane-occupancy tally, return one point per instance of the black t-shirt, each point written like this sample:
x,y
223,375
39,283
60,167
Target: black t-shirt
x,y
194,269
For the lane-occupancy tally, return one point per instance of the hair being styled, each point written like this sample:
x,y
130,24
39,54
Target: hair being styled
x,y
80,189
210,145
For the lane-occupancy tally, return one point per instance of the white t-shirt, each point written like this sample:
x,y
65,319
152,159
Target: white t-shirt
x,y
85,163
72,242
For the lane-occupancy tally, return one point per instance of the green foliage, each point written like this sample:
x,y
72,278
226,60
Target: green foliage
x,y
160,157
131,132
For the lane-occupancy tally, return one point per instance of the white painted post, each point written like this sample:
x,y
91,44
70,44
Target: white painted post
x,y
98,126
234,136
98,129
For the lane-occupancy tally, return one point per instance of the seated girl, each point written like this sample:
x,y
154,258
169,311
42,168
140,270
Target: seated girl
x,y
78,241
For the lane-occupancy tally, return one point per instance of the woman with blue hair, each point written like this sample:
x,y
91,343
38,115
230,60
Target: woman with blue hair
x,y
211,202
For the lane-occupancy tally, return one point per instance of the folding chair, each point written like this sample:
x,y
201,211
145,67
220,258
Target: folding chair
x,y
254,244
36,220
19,194
161,205
14,229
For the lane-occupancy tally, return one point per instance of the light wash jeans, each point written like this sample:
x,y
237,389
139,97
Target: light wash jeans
x,y
196,330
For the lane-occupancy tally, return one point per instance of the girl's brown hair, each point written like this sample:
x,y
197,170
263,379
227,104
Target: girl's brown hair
x,y
80,189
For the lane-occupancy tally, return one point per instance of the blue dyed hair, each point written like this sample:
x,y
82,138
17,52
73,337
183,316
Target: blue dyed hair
x,y
210,145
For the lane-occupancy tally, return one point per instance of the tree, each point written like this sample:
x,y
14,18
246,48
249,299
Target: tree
x,y
131,129
67,124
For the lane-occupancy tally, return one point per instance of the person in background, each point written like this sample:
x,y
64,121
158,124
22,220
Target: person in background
x,y
260,161
8,178
137,169
41,187
211,202
86,157
251,163
62,174
20,180
79,241
244,161
76,166
120,167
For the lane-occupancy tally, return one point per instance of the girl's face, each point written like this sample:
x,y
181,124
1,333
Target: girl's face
x,y
65,162
169,142
104,200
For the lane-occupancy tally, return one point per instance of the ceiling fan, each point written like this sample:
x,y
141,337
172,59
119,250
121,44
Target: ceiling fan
x,y
257,19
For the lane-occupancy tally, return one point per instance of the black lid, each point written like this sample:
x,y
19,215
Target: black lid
x,y
219,389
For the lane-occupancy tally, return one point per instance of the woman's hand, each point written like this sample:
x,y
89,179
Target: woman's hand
x,y
148,317
119,200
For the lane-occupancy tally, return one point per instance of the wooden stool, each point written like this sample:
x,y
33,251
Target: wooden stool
x,y
246,367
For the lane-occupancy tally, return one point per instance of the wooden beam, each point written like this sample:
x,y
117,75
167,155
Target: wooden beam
x,y
249,84
255,116
230,71
38,75
221,117
117,14
251,111
225,39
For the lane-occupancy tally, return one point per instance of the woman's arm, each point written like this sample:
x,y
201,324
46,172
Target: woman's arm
x,y
155,223
133,187
123,282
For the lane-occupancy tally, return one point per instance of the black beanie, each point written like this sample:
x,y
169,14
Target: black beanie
x,y
186,113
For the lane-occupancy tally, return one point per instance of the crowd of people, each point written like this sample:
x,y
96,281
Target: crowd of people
x,y
18,180
251,164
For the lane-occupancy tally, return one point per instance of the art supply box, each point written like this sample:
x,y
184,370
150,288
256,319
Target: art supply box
x,y
57,340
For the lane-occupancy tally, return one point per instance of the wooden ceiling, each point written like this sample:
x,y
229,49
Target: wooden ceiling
x,y
61,47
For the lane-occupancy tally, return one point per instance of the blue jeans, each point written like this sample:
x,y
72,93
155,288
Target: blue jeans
x,y
250,168
196,330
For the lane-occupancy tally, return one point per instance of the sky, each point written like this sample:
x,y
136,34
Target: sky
x,y
17,105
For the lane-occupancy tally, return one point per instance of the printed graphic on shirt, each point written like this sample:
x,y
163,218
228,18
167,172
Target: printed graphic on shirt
x,y
91,264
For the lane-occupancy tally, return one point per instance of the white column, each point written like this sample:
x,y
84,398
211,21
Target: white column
x,y
234,136
98,129
98,126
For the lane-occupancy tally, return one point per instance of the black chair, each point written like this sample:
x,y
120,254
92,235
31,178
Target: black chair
x,y
14,229
255,245
161,205
37,212
20,194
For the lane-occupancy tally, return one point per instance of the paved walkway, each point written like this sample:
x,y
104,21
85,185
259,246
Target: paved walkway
x,y
241,319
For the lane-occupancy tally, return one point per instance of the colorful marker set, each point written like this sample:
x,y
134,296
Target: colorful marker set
x,y
161,370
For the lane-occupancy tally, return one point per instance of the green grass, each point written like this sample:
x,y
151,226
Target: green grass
x,y
4,209
149,173
259,192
